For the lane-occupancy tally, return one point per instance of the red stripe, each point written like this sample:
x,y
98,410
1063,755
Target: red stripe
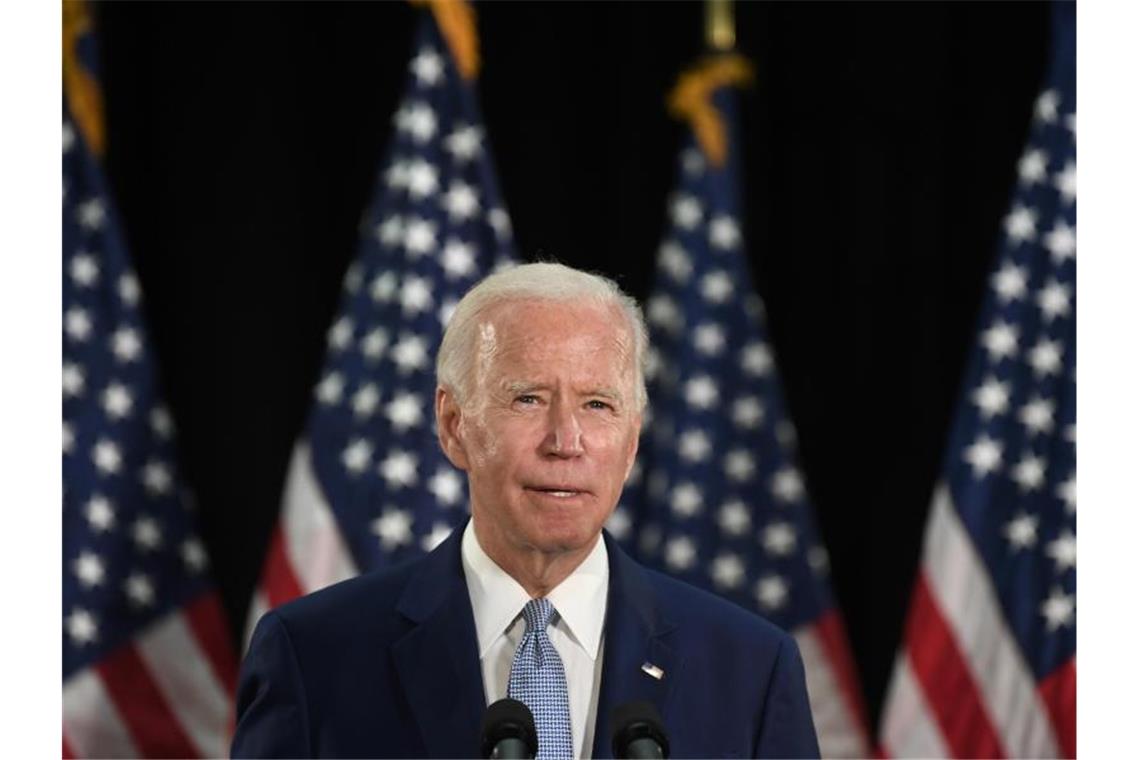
x,y
881,753
144,710
1059,692
941,670
834,639
68,752
278,580
208,622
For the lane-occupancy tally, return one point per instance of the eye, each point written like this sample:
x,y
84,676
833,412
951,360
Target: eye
x,y
599,404
527,398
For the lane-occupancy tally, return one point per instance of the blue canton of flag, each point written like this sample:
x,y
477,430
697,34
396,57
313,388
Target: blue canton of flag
x,y
716,498
147,665
998,575
369,458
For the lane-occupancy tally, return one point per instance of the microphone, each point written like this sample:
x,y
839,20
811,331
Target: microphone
x,y
638,732
508,731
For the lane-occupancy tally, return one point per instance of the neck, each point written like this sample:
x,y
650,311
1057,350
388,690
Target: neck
x,y
538,572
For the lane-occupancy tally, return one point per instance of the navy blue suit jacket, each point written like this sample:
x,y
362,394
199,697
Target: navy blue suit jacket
x,y
387,665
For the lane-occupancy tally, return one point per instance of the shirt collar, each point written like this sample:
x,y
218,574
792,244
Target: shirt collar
x,y
497,598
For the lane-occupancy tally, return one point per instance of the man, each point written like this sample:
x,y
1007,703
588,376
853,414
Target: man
x,y
539,400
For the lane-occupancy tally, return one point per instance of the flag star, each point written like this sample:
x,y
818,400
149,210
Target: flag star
x,y
460,201
1066,182
818,560
129,289
1061,242
1000,340
117,401
747,413
410,353
73,380
415,295
1021,531
694,446
1058,610
77,324
1031,167
399,469
464,143
422,179
439,533
68,438
446,309
194,555
393,527
501,224
146,533
727,571
716,287
419,121
1045,357
383,287
733,518
663,312
353,277
649,539
1029,472
701,392
390,232
680,553
1053,300
1067,492
84,270
771,592
419,237
446,486
373,344
619,523
140,590
1063,551
1021,224
161,423
686,499
709,339
100,514
1071,123
692,162
356,456
779,539
739,465
157,478
724,232
1037,416
68,137
787,485
1010,282
756,359
82,627
340,334
992,397
396,176
427,67
126,344
1045,109
365,400
331,389
404,412
984,455
686,212
458,259
88,568
675,261
107,458
92,214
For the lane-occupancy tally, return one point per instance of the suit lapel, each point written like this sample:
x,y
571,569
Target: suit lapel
x,y
438,659
636,635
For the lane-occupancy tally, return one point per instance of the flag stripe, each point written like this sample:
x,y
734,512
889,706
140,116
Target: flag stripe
x,y
311,531
837,725
833,636
278,581
908,726
1059,692
207,619
258,607
185,676
92,726
964,592
152,724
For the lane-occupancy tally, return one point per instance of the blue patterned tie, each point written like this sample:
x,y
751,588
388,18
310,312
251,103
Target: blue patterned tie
x,y
539,682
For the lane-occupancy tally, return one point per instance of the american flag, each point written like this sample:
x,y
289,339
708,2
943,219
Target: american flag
x,y
717,499
988,663
368,485
148,669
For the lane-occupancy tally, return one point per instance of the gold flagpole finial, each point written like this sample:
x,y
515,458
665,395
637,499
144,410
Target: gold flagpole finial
x,y
720,25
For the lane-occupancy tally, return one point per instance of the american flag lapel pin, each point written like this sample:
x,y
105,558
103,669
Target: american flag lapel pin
x,y
652,670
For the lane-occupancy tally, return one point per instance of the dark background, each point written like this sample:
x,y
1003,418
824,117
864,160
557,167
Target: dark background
x,y
880,145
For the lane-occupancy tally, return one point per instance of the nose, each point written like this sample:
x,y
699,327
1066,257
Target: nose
x,y
564,432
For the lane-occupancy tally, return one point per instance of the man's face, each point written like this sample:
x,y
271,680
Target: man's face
x,y
551,431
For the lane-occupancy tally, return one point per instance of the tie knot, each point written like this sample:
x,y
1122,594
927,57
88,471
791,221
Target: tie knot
x,y
537,614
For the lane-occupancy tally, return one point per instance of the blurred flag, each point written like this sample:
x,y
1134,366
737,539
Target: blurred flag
x,y
988,663
148,668
716,498
368,485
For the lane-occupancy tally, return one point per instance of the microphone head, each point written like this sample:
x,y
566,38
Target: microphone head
x,y
637,720
507,719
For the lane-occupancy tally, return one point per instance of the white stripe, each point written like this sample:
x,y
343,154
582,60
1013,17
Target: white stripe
x,y
909,727
184,675
313,544
91,723
835,725
963,590
258,607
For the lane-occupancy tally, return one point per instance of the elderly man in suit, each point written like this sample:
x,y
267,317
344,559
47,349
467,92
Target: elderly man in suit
x,y
539,400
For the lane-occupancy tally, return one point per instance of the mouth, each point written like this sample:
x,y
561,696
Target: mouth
x,y
557,492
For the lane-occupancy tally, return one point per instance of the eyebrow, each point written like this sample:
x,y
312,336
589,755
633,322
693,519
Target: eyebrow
x,y
527,387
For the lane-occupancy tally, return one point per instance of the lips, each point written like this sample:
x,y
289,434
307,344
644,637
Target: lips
x,y
557,491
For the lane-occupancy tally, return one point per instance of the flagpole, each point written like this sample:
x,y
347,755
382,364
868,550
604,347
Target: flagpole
x,y
720,25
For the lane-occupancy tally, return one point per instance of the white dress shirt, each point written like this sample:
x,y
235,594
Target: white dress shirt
x,y
575,630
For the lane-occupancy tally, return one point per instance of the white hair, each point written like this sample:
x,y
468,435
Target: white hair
x,y
465,340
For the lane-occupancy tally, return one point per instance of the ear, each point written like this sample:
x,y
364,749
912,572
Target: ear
x,y
448,416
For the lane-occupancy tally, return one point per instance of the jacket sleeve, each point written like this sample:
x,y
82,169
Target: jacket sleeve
x,y
786,727
272,716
